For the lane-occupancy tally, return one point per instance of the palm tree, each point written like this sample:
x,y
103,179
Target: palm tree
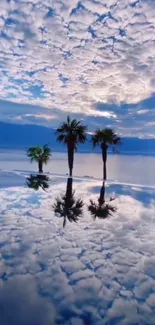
x,y
105,138
40,155
38,181
71,133
67,206
101,210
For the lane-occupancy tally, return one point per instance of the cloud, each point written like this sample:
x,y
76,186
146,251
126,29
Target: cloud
x,y
36,119
19,295
143,111
68,56
87,273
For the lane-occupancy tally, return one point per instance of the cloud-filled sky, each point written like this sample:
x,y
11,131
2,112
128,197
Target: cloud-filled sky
x,y
92,272
92,59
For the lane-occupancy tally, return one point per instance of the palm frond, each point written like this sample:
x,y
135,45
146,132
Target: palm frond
x,y
96,138
33,153
72,131
68,119
39,154
100,211
67,206
107,136
61,138
38,181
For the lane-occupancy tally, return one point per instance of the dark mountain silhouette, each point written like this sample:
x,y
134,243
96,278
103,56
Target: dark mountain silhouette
x,y
23,136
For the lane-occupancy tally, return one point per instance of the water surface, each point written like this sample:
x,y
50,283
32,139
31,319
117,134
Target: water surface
x,y
93,271
122,168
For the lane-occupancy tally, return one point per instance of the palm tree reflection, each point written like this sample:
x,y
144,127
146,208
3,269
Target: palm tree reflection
x,y
67,206
38,181
101,209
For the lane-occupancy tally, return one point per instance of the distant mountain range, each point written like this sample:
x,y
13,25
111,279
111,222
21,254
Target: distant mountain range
x,y
23,136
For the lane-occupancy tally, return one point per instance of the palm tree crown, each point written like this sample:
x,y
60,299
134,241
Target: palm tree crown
x,y
107,136
72,131
40,155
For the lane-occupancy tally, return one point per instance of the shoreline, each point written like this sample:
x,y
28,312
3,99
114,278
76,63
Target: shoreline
x,y
27,173
120,153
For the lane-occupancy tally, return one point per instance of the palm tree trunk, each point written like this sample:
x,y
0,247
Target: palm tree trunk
x,y
64,222
102,195
68,196
70,159
104,147
69,187
40,166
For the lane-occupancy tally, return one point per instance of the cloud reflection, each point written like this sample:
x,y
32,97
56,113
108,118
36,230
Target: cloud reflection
x,y
21,304
92,273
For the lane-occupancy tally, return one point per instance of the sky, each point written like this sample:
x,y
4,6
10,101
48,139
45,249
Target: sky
x,y
94,60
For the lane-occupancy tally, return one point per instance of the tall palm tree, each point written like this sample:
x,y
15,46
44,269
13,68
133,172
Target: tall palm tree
x,y
67,206
101,210
40,155
71,133
38,181
105,138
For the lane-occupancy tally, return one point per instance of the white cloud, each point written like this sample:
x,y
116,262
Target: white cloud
x,y
46,117
76,56
143,111
100,270
151,124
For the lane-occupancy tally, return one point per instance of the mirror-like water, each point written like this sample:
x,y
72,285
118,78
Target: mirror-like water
x,y
122,168
94,270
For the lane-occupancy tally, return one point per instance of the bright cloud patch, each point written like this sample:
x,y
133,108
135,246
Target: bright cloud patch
x,y
70,55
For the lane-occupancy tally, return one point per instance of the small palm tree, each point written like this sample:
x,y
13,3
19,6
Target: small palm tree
x,y
38,181
67,206
40,155
101,210
71,133
105,138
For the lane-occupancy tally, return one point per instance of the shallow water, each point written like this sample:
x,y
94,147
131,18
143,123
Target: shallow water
x,y
93,271
122,168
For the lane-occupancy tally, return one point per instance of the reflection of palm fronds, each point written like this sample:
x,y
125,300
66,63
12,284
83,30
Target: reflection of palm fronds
x,y
68,208
100,211
38,181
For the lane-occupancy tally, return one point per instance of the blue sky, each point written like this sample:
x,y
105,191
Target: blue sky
x,y
92,59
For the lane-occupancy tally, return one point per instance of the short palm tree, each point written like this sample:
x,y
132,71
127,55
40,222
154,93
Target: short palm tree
x,y
101,210
67,206
105,138
38,181
71,133
40,155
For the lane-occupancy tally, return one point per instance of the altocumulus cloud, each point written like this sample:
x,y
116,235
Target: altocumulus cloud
x,y
88,273
68,56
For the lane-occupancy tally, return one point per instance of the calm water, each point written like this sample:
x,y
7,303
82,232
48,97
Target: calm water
x,y
130,169
98,270
92,272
